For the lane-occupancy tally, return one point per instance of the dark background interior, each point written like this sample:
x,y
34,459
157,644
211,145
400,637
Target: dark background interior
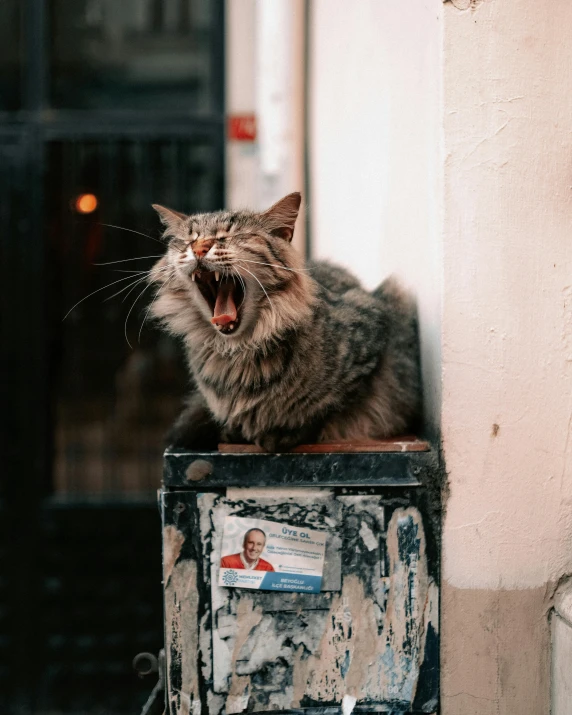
x,y
122,101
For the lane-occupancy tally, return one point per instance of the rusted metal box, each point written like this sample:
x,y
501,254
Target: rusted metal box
x,y
366,642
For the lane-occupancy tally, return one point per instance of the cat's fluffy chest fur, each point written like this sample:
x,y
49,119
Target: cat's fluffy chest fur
x,y
306,355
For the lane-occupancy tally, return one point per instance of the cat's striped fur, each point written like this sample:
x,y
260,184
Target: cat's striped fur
x,y
309,356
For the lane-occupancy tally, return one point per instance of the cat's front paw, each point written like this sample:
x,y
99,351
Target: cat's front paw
x,y
279,441
195,429
268,442
283,440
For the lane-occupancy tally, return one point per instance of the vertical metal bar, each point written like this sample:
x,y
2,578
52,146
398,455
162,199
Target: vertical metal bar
x,y
28,404
189,199
156,15
75,279
35,29
107,190
145,178
182,159
217,56
218,82
170,169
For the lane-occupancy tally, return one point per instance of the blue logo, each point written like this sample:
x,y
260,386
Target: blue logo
x,y
230,577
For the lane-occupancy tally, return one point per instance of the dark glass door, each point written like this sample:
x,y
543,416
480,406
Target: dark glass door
x,y
105,108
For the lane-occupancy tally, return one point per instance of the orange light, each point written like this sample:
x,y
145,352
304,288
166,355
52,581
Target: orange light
x,y
86,203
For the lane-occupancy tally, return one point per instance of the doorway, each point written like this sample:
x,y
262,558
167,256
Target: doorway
x,y
105,108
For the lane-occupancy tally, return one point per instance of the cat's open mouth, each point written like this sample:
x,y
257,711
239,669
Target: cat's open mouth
x,y
224,296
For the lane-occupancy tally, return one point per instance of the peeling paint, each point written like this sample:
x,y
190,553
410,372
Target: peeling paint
x,y
384,647
327,668
173,540
348,704
362,643
247,617
406,603
278,495
431,612
181,608
367,537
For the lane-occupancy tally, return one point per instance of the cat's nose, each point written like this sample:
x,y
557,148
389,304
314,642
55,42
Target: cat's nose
x,y
202,246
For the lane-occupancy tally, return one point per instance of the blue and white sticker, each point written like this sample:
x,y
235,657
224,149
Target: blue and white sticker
x,y
271,556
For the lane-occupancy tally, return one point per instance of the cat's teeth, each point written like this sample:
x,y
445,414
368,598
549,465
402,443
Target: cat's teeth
x,y
193,276
217,276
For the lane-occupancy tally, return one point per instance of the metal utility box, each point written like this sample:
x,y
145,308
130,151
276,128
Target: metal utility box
x,y
367,642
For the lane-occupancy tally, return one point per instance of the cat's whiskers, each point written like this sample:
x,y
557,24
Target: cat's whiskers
x,y
131,286
122,228
169,279
233,273
123,270
140,280
125,260
130,311
131,275
259,283
242,283
98,290
128,287
275,265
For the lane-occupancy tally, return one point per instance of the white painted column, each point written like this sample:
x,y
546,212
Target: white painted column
x,y
241,154
265,79
507,349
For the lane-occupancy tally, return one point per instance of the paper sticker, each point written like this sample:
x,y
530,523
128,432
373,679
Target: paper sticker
x,y
272,556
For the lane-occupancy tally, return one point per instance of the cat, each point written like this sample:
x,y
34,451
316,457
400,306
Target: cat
x,y
281,353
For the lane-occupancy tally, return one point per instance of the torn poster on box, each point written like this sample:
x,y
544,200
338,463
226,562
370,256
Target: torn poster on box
x,y
272,556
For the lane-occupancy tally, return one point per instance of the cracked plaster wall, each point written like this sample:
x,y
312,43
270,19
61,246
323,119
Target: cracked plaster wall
x,y
506,348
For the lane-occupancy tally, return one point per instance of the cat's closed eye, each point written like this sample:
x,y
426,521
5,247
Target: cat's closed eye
x,y
178,244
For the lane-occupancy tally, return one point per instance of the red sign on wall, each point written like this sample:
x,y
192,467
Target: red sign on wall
x,y
242,127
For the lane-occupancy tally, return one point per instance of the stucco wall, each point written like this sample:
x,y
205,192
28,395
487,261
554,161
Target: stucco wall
x,y
375,161
507,348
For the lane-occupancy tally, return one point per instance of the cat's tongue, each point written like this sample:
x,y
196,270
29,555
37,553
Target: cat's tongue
x,y
225,309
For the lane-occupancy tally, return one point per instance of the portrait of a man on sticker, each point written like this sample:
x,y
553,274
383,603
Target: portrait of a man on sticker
x,y
250,557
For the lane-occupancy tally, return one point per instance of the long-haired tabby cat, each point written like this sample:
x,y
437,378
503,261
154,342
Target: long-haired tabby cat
x,y
281,353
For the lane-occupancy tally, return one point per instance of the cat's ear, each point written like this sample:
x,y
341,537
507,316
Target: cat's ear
x,y
281,217
169,218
